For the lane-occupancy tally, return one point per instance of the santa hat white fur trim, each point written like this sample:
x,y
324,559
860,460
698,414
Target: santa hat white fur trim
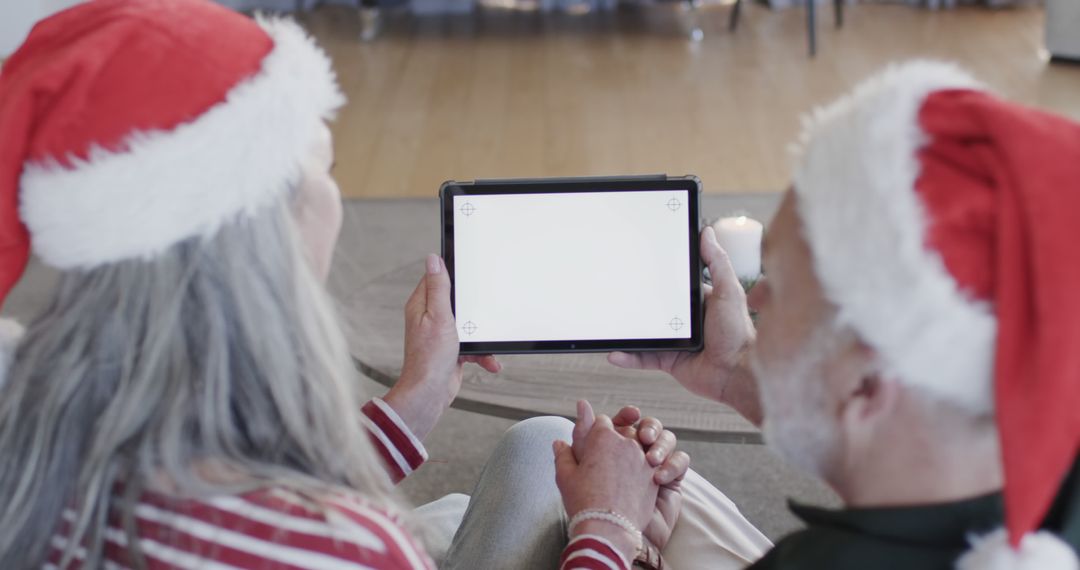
x,y
1038,551
866,227
173,185
10,333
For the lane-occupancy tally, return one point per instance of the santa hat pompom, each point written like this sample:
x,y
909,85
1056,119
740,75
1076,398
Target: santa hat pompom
x,y
10,333
1038,551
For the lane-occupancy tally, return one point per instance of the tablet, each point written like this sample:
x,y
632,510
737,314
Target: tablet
x,y
574,265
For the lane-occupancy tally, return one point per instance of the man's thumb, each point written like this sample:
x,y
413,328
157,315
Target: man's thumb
x,y
723,276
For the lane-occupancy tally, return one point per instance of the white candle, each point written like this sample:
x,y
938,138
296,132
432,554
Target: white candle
x,y
741,239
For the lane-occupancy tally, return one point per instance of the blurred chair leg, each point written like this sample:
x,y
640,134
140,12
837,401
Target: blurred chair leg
x,y
692,20
811,25
733,20
370,20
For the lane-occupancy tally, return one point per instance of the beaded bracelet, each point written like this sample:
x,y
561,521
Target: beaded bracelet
x,y
610,516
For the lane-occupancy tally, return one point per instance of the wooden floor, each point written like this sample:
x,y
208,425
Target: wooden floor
x,y
521,94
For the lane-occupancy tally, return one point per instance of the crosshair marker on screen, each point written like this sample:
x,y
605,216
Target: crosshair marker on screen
x,y
469,327
674,204
676,323
468,209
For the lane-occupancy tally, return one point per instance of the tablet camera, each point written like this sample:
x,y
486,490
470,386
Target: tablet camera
x,y
674,204
676,324
469,328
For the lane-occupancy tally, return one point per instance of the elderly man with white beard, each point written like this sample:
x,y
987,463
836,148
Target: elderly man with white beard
x,y
916,338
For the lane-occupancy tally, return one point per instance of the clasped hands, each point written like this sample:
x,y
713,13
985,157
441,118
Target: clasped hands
x,y
627,465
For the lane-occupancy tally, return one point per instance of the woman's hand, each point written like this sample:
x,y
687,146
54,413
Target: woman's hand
x,y
719,372
612,475
659,445
432,370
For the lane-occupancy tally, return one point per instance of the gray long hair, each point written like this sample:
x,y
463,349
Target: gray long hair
x,y
222,351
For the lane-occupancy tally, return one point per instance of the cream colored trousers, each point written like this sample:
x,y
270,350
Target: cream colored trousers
x,y
711,532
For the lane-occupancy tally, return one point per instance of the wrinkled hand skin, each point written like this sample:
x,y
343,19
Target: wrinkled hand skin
x,y
613,474
720,372
432,369
659,447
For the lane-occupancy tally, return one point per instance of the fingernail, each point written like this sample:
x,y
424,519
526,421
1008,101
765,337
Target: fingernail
x,y
433,265
662,474
648,433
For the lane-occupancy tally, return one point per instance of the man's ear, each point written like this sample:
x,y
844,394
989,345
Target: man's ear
x,y
864,415
870,396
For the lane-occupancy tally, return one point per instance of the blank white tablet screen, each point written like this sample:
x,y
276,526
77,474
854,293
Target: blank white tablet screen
x,y
572,266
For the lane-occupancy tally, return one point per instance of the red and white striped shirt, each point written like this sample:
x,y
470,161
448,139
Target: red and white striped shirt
x,y
280,529
401,451
273,528
590,552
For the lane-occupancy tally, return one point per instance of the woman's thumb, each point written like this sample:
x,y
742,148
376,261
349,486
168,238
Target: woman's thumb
x,y
564,455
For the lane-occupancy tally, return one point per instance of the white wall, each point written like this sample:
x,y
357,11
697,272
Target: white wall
x,y
53,6
18,16
1063,28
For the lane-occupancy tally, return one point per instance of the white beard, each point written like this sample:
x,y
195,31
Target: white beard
x,y
798,426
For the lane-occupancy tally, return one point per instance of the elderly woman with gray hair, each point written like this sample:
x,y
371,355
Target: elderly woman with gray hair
x,y
187,400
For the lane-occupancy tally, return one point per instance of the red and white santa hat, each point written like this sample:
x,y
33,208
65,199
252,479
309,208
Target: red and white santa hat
x,y
127,126
944,223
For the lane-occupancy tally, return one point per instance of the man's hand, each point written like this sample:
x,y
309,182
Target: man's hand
x,y
432,370
729,334
659,446
612,475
